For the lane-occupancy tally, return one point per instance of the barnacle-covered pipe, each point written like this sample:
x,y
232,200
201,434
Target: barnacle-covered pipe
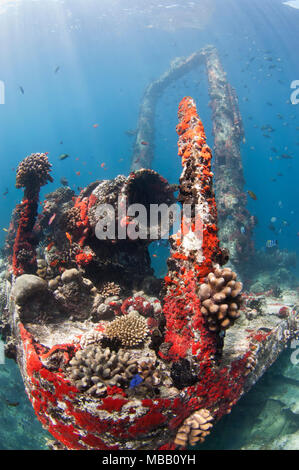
x,y
195,249
236,224
143,152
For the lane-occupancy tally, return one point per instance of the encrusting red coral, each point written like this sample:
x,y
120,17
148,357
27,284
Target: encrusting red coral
x,y
182,306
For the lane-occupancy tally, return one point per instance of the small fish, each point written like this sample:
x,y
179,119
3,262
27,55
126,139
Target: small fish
x,y
78,173
5,229
103,164
57,69
252,195
131,132
95,126
271,243
285,156
243,230
69,237
136,380
61,142
63,156
5,192
51,244
21,90
64,181
143,142
52,218
12,403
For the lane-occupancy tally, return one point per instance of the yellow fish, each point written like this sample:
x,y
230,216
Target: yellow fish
x,y
69,237
252,195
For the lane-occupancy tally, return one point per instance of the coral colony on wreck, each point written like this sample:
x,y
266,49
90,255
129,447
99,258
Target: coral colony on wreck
x,y
111,356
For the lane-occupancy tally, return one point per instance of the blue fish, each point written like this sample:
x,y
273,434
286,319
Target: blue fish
x,y
271,243
136,380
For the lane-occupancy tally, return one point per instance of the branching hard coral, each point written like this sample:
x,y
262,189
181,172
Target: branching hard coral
x,y
33,171
92,369
130,329
110,289
194,429
220,298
